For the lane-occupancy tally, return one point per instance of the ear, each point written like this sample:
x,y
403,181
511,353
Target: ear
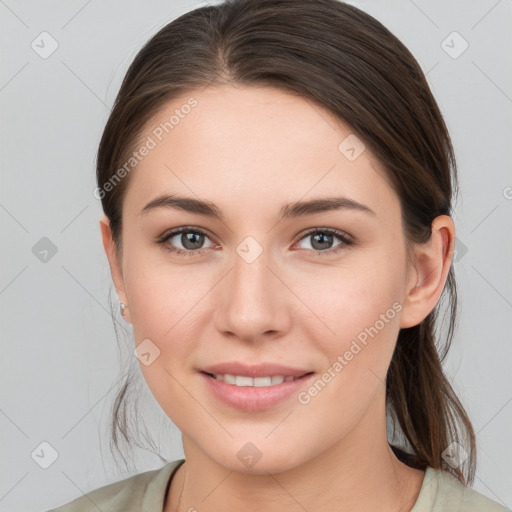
x,y
432,262
114,263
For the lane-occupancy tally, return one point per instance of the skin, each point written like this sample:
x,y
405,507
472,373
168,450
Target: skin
x,y
249,150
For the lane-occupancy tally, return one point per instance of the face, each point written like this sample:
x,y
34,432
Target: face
x,y
318,290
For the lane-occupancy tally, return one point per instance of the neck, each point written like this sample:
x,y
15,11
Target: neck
x,y
360,472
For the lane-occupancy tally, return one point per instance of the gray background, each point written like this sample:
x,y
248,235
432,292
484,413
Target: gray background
x,y
59,365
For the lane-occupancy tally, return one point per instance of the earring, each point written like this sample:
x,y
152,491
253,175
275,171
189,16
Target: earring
x,y
122,307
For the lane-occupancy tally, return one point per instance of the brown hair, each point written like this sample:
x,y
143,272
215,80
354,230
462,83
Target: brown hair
x,y
348,62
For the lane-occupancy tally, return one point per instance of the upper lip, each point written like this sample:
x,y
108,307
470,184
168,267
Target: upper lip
x,y
260,370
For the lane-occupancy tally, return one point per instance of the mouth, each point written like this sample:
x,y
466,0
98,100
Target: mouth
x,y
254,394
248,381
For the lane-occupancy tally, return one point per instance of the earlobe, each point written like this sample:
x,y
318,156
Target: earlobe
x,y
431,266
114,263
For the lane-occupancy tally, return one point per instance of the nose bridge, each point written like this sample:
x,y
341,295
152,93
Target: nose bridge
x,y
251,303
250,278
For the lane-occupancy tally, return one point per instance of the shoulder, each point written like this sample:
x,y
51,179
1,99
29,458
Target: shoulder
x,y
144,491
441,491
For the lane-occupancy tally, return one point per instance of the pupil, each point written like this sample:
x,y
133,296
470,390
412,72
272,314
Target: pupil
x,y
192,240
324,239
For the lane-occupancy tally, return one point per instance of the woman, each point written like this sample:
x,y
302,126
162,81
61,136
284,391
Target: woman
x,y
277,184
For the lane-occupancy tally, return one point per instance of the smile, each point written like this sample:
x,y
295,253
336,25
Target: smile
x,y
244,380
253,394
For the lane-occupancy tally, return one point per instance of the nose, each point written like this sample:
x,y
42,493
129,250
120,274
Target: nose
x,y
253,301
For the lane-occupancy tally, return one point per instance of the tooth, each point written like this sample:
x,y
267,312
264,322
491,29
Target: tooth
x,y
245,381
242,380
263,381
230,379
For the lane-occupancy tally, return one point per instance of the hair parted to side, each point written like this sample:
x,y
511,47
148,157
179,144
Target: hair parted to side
x,y
348,62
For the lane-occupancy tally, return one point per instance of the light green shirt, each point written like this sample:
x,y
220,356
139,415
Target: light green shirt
x,y
440,492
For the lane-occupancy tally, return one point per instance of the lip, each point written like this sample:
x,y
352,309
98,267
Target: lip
x,y
260,370
254,398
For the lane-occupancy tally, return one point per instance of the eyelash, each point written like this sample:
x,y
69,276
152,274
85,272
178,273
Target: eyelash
x,y
343,237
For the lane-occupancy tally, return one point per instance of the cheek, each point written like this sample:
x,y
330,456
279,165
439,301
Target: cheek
x,y
159,293
360,310
348,299
364,313
164,308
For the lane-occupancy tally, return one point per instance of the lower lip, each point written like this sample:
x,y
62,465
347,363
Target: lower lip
x,y
254,398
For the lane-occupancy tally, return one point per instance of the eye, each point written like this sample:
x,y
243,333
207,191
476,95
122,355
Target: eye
x,y
192,241
190,238
322,239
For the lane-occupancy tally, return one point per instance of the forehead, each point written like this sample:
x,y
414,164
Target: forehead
x,y
253,146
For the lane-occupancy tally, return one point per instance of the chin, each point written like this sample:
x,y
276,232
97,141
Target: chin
x,y
258,458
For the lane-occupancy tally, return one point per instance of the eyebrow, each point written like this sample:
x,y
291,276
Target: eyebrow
x,y
288,210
